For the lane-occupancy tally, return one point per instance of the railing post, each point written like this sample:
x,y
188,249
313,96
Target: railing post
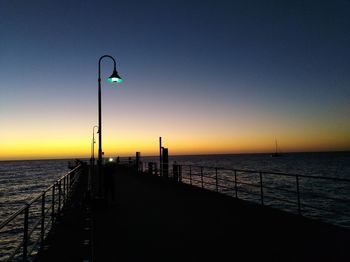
x,y
59,197
180,173
261,188
202,176
298,194
71,180
68,185
216,180
236,191
190,175
64,190
53,205
67,188
42,229
25,234
175,172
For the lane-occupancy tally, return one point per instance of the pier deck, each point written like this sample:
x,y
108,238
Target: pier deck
x,y
154,219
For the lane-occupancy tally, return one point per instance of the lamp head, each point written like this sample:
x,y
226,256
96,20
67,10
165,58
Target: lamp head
x,y
115,78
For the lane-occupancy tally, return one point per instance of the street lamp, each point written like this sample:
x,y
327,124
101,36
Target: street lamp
x,y
114,78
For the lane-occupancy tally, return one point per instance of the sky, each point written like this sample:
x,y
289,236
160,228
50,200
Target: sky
x,y
210,77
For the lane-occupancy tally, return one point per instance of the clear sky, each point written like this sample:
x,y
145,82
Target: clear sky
x,y
208,76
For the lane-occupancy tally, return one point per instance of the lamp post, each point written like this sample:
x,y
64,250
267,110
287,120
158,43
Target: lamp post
x,y
93,142
93,150
114,78
92,161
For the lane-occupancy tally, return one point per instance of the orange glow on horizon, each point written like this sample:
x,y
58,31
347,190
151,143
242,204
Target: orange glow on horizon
x,y
249,132
79,148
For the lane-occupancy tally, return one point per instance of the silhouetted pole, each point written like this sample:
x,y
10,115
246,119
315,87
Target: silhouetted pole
x,y
138,161
113,78
165,162
92,158
160,156
93,142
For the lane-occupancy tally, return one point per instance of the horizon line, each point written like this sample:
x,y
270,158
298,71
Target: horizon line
x,y
177,155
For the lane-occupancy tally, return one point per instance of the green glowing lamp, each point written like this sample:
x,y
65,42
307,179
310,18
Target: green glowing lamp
x,y
115,78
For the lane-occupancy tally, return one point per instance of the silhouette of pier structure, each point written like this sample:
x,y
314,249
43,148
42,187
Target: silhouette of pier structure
x,y
145,216
157,218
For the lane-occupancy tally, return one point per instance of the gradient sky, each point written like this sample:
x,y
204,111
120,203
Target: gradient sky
x,y
208,76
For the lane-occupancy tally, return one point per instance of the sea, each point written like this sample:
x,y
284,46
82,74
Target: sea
x,y
21,181
315,185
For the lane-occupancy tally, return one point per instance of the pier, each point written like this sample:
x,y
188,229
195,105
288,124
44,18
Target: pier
x,y
152,218
239,108
140,215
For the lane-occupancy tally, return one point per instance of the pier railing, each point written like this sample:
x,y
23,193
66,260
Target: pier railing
x,y
23,233
319,197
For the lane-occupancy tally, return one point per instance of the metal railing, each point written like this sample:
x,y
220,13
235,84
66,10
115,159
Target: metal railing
x,y
320,197
25,229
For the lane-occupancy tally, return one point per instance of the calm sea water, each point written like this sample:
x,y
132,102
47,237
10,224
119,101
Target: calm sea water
x,y
322,199
20,181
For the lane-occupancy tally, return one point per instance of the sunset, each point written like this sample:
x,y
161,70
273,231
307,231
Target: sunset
x,y
174,130
224,78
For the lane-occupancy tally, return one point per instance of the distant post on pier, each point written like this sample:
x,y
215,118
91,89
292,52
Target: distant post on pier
x,y
160,156
175,171
152,168
179,169
155,168
138,161
165,162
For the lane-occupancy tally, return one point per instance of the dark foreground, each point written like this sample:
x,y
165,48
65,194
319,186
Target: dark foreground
x,y
153,219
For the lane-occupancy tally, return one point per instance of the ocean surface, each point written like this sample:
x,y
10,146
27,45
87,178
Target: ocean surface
x,y
21,181
320,198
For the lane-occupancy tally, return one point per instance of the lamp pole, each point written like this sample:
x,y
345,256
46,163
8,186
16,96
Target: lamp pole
x,y
92,169
113,78
93,149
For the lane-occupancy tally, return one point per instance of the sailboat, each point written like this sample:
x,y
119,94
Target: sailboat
x,y
276,154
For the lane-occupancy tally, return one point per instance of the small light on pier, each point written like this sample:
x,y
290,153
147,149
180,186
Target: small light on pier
x,y
110,159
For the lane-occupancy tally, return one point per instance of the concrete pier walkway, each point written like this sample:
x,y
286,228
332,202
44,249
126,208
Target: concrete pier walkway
x,y
153,219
